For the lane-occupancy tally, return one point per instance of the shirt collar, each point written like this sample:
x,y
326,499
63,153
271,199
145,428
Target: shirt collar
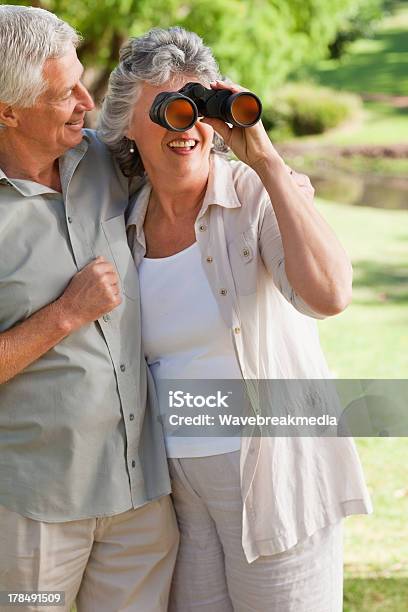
x,y
67,163
220,187
220,191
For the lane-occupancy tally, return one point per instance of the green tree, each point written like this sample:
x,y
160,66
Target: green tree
x,y
358,22
256,42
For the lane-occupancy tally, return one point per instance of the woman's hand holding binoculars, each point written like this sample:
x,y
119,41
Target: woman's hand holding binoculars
x,y
252,144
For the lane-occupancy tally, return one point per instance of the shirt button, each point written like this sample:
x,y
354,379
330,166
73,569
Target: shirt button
x,y
69,219
223,291
133,463
106,318
202,227
237,330
122,367
131,417
209,259
246,252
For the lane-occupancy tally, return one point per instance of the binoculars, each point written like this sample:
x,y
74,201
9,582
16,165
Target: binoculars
x,y
178,111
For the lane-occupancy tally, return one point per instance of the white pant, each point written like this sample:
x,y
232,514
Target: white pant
x,y
212,573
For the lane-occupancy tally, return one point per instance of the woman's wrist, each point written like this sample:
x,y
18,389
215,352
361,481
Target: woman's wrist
x,y
270,165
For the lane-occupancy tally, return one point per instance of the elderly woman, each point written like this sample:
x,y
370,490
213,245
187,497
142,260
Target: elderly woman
x,y
235,265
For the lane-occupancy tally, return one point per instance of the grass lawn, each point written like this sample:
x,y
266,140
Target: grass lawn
x,y
369,340
374,66
380,124
376,546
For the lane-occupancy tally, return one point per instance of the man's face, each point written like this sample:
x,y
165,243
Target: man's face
x,y
54,124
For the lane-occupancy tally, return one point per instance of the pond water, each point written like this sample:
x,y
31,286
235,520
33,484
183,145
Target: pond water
x,y
362,189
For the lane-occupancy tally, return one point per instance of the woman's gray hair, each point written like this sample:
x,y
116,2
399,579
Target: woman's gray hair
x,y
28,37
152,58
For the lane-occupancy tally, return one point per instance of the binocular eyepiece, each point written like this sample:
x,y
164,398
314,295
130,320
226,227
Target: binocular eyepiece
x,y
178,111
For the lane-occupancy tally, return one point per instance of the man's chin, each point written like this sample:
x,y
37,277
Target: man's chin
x,y
73,137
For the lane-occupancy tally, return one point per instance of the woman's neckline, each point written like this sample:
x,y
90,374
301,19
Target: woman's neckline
x,y
174,256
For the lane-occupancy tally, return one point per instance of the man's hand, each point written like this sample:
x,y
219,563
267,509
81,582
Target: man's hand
x,y
92,292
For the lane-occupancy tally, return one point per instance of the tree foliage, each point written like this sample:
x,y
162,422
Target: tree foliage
x,y
358,22
256,42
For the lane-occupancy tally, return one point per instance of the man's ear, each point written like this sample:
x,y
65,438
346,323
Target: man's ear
x,y
8,116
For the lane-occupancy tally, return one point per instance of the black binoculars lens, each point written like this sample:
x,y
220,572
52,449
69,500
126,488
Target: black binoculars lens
x,y
245,109
180,114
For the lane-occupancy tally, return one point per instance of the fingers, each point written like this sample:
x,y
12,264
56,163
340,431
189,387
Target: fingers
x,y
107,273
102,266
220,127
110,276
112,286
112,291
104,272
227,85
100,262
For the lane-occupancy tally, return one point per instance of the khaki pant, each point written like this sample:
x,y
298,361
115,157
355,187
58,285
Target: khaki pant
x,y
122,563
212,573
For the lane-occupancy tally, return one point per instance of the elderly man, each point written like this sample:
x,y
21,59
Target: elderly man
x,y
84,504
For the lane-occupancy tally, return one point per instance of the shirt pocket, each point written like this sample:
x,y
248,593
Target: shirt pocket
x,y
243,253
115,234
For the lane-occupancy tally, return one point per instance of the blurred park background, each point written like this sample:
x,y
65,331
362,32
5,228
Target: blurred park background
x,y
333,77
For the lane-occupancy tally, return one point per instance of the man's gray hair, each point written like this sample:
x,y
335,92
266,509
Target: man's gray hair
x,y
152,58
28,37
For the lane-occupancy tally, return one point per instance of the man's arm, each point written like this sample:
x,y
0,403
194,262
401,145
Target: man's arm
x,y
92,292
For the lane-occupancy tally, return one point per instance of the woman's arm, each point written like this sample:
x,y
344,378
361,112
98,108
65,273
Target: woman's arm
x,y
299,247
315,263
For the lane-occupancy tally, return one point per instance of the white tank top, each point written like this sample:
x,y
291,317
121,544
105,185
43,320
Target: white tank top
x,y
184,336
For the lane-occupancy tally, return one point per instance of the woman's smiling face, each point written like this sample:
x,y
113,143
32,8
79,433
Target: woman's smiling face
x,y
164,152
